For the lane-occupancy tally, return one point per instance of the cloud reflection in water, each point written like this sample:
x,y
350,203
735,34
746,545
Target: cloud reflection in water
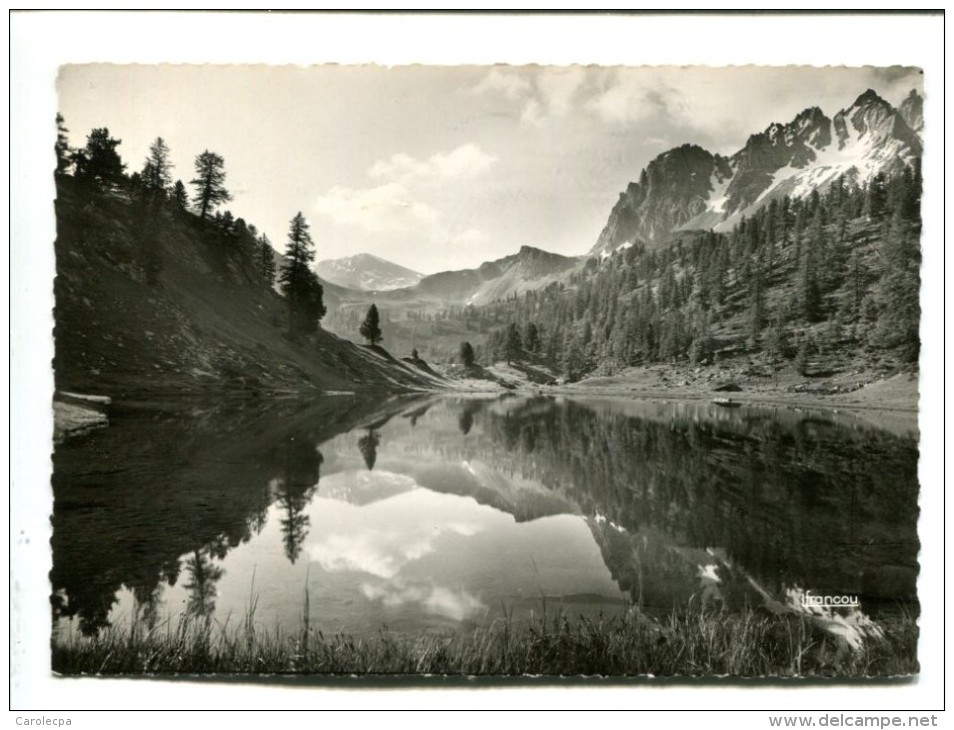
x,y
438,600
379,523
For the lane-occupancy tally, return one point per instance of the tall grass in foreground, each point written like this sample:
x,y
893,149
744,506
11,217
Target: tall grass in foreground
x,y
747,644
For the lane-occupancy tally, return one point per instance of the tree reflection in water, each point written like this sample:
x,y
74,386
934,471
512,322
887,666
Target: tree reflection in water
x,y
794,499
302,467
202,577
368,446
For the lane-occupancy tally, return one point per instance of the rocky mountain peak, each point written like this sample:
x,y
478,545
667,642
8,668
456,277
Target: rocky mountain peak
x,y
869,96
874,122
869,112
531,252
793,145
811,127
912,111
675,187
689,188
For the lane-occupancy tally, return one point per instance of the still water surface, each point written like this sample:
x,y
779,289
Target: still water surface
x,y
445,513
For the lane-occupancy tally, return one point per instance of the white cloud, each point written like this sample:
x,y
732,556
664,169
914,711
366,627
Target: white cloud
x,y
547,93
629,99
510,85
715,107
386,208
465,161
392,209
720,108
533,112
557,88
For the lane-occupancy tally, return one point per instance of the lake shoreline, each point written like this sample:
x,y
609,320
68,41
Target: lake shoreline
x,y
892,399
892,402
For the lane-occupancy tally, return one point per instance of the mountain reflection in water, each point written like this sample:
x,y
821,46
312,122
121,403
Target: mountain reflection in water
x,y
441,513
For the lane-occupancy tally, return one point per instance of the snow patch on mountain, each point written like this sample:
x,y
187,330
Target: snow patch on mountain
x,y
809,153
622,247
718,198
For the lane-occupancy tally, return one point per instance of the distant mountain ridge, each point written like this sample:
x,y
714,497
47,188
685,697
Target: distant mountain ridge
x,y
367,272
689,188
529,268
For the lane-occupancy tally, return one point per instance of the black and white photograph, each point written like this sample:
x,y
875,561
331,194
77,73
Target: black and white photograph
x,y
487,370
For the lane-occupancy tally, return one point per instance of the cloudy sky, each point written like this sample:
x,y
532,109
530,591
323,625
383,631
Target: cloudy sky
x,y
440,168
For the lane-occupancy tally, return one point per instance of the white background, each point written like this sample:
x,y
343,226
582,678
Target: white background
x,y
40,42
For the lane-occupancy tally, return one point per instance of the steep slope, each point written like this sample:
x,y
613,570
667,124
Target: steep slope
x,y
366,272
167,303
688,188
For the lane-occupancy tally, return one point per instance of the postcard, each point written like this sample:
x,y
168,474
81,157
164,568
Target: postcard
x,y
389,372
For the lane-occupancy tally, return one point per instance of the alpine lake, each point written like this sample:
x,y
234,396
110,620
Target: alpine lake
x,y
442,515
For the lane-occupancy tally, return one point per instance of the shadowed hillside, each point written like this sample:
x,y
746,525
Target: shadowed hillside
x,y
159,301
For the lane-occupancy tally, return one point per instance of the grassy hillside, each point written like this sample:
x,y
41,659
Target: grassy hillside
x,y
164,302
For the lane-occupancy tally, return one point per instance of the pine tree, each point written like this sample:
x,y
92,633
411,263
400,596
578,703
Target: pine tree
x,y
573,362
157,171
834,331
466,353
805,350
798,231
368,446
673,338
875,197
62,147
314,308
226,223
756,304
701,349
513,345
266,259
298,283
98,163
810,292
210,183
533,338
180,198
776,338
495,348
370,328
912,202
898,291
